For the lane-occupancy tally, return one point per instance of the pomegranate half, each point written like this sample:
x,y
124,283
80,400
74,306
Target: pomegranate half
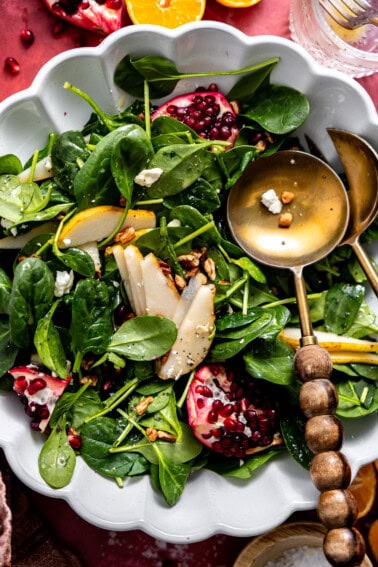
x,y
208,113
232,415
100,16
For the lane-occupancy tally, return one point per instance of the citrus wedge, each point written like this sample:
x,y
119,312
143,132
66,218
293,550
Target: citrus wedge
x,y
168,13
238,3
363,488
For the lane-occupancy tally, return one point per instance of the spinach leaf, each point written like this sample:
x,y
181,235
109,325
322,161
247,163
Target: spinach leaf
x,y
57,459
8,352
30,299
182,164
233,468
145,337
77,260
91,325
292,429
342,304
49,345
270,360
130,155
68,152
9,163
98,437
278,109
356,398
94,184
5,291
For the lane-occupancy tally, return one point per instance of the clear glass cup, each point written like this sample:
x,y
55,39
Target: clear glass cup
x,y
355,52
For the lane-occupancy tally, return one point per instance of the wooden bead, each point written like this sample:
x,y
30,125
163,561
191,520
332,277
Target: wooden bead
x,y
312,362
323,433
318,397
330,470
337,509
344,547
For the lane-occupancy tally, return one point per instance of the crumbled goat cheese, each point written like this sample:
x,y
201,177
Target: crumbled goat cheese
x,y
63,283
272,201
5,223
174,222
147,177
300,557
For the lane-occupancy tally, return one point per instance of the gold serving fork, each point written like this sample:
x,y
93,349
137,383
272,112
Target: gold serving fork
x,y
351,14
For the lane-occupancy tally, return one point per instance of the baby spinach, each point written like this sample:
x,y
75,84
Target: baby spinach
x,y
5,291
145,337
30,299
49,346
98,438
342,304
91,325
278,109
162,74
10,163
57,459
181,165
270,360
93,184
8,352
68,153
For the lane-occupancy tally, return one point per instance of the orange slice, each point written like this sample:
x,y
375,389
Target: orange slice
x,y
363,488
373,540
168,13
238,3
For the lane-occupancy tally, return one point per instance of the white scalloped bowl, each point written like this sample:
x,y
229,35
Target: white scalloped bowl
x,y
210,503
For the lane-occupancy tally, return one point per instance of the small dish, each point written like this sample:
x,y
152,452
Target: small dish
x,y
272,545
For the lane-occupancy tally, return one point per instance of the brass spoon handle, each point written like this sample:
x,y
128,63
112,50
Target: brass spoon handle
x,y
366,265
307,333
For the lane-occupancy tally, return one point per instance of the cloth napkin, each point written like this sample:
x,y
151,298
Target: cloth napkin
x,y
25,539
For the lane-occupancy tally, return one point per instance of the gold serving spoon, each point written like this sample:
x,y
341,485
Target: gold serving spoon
x,y
320,216
360,163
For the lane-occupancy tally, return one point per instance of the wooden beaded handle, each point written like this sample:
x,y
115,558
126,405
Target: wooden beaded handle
x,y
330,472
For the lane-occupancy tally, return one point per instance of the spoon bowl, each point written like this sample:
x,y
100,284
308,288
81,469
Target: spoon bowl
x,y
360,163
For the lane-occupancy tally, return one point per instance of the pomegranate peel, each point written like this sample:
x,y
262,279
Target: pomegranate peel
x,y
39,392
208,113
100,17
232,415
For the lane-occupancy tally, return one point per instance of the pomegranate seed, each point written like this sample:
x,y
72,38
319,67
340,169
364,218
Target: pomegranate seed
x,y
84,5
227,410
200,403
27,37
12,66
36,385
212,416
204,391
217,405
230,424
75,441
20,385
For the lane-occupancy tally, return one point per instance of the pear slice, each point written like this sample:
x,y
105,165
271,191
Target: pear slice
x,y
353,357
194,336
19,241
91,249
42,170
97,223
134,281
330,341
161,293
187,297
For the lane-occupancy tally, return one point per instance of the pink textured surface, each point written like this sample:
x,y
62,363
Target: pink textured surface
x,y
5,527
94,546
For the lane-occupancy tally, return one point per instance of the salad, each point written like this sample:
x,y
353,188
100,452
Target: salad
x,y
138,335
